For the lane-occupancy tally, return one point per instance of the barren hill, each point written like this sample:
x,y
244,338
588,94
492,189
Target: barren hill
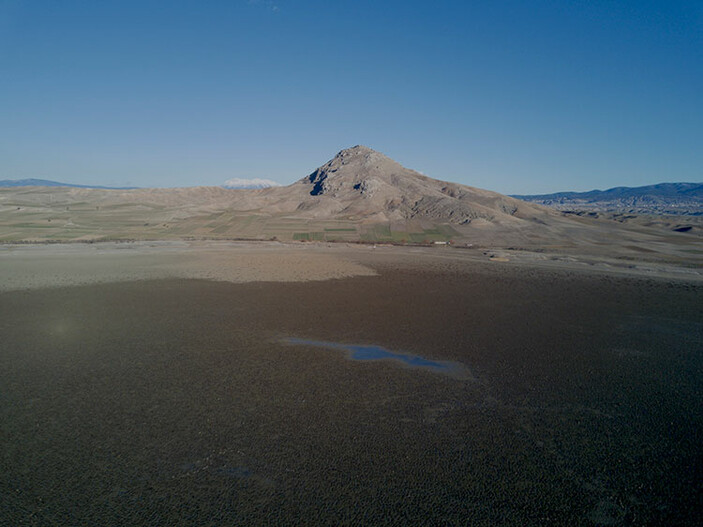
x,y
359,195
362,184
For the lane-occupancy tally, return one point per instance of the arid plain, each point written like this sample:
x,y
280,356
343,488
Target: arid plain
x,y
155,383
542,370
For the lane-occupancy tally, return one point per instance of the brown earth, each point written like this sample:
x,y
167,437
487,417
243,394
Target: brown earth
x,y
174,402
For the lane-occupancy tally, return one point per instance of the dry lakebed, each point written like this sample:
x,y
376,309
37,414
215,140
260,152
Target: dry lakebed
x,y
221,383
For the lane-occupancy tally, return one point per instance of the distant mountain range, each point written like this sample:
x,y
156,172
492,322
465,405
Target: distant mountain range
x,y
47,183
663,198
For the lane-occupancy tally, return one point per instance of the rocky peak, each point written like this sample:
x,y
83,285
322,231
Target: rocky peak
x,y
358,150
358,171
349,164
358,155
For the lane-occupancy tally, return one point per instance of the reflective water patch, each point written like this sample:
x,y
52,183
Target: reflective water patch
x,y
376,353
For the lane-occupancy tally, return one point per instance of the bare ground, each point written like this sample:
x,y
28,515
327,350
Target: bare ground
x,y
144,395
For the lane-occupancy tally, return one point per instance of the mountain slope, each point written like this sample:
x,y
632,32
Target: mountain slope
x,y
362,184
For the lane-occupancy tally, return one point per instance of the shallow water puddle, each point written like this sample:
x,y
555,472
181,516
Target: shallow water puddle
x,y
375,353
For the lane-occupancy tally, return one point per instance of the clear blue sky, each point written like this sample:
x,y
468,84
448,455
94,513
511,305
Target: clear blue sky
x,y
513,96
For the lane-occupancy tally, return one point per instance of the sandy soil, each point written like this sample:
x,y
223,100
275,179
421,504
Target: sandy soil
x,y
182,402
36,214
57,265
38,266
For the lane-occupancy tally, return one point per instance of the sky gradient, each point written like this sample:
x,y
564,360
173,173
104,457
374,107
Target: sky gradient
x,y
514,96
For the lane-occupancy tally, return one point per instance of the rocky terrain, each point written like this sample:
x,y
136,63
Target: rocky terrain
x,y
364,184
360,195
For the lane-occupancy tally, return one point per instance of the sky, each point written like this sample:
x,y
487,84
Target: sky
x,y
520,97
